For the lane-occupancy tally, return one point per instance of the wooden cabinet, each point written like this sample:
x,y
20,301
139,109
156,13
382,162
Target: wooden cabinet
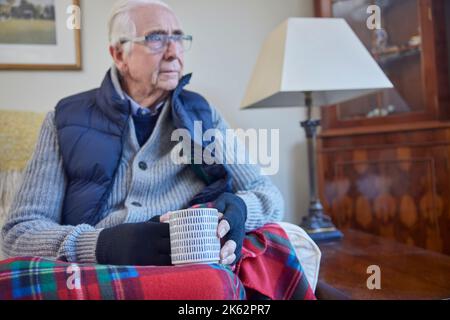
x,y
384,160
411,48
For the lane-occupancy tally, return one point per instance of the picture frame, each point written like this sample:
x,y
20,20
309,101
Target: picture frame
x,y
35,35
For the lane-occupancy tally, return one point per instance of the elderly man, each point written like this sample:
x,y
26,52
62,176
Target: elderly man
x,y
101,177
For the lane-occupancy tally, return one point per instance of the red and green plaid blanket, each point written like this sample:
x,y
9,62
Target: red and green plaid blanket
x,y
268,266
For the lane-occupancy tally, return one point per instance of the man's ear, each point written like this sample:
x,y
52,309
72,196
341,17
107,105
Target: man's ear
x,y
118,56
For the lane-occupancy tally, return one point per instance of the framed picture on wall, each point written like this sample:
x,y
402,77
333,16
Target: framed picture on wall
x,y
40,35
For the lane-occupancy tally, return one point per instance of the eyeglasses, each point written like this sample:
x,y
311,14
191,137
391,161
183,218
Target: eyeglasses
x,y
157,42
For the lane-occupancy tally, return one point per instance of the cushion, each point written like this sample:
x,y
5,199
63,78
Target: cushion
x,y
18,134
308,253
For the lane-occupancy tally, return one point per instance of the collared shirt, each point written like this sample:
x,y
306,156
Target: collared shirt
x,y
136,108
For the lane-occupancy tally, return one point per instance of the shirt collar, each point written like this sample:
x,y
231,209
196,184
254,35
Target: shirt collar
x,y
136,108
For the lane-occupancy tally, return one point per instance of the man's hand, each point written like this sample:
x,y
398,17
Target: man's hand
x,y
231,228
138,244
227,253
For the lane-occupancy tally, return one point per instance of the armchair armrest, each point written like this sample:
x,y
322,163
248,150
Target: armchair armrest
x,y
308,253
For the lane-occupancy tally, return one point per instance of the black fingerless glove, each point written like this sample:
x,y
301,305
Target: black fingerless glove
x,y
234,211
135,244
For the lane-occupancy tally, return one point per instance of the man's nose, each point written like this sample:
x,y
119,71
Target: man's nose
x,y
171,50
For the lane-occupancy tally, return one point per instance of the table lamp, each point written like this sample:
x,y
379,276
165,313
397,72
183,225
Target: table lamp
x,y
310,62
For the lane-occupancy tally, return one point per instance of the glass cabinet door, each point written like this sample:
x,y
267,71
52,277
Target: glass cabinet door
x,y
397,47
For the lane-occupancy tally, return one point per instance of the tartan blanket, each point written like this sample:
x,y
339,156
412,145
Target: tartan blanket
x,y
42,279
268,266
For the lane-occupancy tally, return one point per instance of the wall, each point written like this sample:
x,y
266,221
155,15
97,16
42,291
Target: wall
x,y
228,35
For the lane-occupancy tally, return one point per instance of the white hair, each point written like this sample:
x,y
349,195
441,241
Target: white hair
x,y
121,25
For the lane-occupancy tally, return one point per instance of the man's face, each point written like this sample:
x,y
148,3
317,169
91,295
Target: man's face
x,y
155,70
